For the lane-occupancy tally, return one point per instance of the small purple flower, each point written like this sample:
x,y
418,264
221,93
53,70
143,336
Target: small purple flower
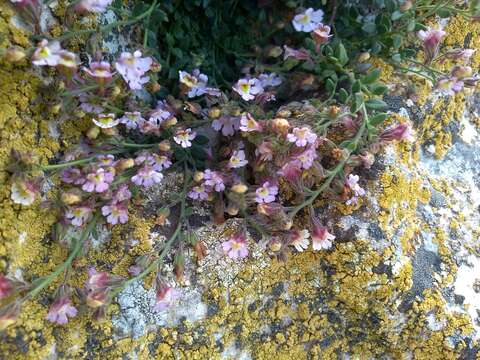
x,y
352,183
122,193
73,176
449,86
116,212
98,181
161,162
78,215
236,247
271,79
238,159
249,124
61,310
100,71
198,192
307,157
227,124
105,160
300,54
146,176
308,21
94,6
184,137
248,88
132,119
196,83
47,54
431,42
302,136
89,105
132,67
161,113
266,193
214,180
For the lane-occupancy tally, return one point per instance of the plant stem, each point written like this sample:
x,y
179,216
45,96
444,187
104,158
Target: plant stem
x,y
336,169
76,250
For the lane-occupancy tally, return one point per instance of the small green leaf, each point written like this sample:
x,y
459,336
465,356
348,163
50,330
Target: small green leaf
x,y
356,103
357,85
411,25
372,76
443,13
397,15
341,54
378,89
369,28
397,41
376,104
342,95
378,119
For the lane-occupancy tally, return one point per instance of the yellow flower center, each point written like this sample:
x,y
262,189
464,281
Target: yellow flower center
x,y
304,19
245,88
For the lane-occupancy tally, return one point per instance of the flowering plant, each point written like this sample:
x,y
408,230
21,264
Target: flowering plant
x,y
269,159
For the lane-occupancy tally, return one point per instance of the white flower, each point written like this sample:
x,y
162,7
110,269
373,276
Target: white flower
x,y
106,121
184,137
300,239
238,159
22,193
47,54
248,88
302,136
132,67
308,21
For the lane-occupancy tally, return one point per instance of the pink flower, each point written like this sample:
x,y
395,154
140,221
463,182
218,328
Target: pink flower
x,y
166,295
321,35
116,212
248,123
308,20
291,170
184,137
60,310
236,247
238,159
321,238
47,54
266,193
264,151
399,133
227,124
78,215
133,67
299,239
100,71
198,192
131,119
248,88
214,180
6,287
73,176
460,54
146,176
271,79
352,183
431,42
94,6
307,157
98,181
300,54
23,192
97,288
302,136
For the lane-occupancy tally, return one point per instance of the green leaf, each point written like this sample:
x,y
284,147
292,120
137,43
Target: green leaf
x,y
356,103
341,54
378,89
397,15
201,140
376,104
411,25
372,76
342,95
443,13
357,85
378,119
369,28
397,41
330,85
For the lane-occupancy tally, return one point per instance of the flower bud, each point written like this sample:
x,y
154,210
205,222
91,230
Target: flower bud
x,y
232,209
124,164
116,90
170,122
97,298
280,126
155,87
275,52
156,67
200,250
275,244
93,132
284,113
198,176
239,188
333,112
6,287
214,113
407,5
364,56
14,54
71,197
179,266
164,146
